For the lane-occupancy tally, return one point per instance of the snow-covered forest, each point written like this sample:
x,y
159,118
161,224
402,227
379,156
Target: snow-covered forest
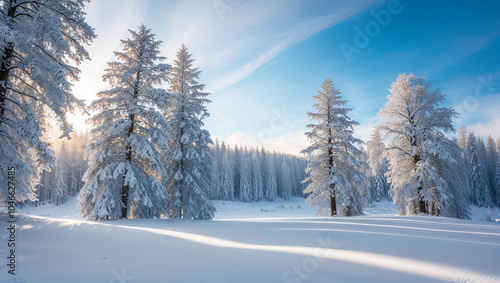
x,y
153,188
281,175
148,154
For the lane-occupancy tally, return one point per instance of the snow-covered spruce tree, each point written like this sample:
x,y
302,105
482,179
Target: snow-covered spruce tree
x,y
286,174
334,168
497,184
414,125
269,176
216,171
476,172
227,183
378,165
462,143
492,159
257,181
481,153
457,203
366,188
236,172
125,173
462,137
40,42
189,144
246,176
62,180
60,190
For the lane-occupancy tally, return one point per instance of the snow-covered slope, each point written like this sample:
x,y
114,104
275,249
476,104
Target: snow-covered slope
x,y
246,243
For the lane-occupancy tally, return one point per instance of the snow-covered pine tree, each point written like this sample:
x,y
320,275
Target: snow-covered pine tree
x,y
378,165
62,173
189,144
236,172
227,183
216,171
269,176
40,42
246,176
334,168
476,171
481,154
415,125
286,176
366,187
462,143
492,159
278,162
257,176
462,137
454,173
125,173
497,183
60,190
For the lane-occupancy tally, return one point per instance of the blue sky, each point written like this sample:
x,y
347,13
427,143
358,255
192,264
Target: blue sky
x,y
264,60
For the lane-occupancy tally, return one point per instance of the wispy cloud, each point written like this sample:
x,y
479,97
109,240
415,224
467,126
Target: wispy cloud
x,y
238,37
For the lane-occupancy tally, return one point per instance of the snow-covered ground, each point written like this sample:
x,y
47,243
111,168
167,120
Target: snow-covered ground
x,y
281,241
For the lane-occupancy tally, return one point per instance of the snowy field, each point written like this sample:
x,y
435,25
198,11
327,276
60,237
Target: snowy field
x,y
254,242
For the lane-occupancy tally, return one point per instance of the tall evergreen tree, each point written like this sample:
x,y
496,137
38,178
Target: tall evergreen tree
x,y
482,157
286,174
125,171
462,137
245,176
187,157
61,175
454,173
476,171
237,170
257,182
227,184
492,159
378,165
497,183
40,42
334,167
415,126
216,171
269,176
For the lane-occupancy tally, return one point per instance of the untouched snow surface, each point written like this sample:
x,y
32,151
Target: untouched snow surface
x,y
253,242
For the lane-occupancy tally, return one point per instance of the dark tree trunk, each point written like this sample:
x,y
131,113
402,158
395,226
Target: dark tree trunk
x,y
421,203
333,204
128,158
182,160
128,147
5,65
